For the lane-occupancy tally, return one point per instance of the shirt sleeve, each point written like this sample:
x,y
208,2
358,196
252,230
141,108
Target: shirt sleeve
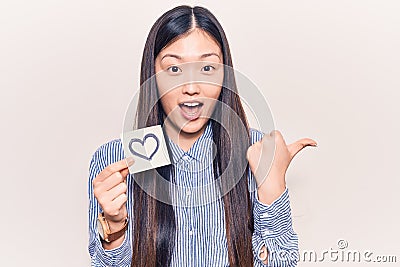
x,y
122,255
273,229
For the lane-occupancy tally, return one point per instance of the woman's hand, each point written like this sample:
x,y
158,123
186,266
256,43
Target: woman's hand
x,y
268,168
109,188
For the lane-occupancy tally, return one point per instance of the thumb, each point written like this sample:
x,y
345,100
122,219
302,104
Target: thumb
x,y
295,147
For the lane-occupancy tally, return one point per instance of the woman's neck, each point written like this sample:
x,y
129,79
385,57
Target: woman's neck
x,y
183,139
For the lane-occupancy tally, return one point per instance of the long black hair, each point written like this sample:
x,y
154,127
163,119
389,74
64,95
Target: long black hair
x,y
154,232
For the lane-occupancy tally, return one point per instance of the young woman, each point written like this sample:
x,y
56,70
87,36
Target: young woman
x,y
242,227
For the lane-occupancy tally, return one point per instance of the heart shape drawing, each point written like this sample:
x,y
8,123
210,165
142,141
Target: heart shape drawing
x,y
142,142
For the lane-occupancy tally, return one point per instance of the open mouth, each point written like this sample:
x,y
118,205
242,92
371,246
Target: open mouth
x,y
191,110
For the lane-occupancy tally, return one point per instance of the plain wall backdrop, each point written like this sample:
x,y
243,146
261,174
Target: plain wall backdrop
x,y
329,70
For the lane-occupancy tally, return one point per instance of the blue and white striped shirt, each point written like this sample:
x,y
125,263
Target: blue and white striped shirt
x,y
201,236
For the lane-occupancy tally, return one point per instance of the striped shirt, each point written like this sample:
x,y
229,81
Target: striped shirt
x,y
201,235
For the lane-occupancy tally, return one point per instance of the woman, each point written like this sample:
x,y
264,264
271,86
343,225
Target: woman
x,y
241,228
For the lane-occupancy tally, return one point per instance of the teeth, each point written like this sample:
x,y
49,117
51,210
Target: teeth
x,y
191,104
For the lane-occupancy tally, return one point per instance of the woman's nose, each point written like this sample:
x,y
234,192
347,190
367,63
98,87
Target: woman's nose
x,y
191,88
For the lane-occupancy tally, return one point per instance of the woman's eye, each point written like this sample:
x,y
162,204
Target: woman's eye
x,y
174,69
208,68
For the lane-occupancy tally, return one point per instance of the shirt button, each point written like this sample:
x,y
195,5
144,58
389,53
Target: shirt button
x,y
188,192
264,215
185,157
267,232
190,232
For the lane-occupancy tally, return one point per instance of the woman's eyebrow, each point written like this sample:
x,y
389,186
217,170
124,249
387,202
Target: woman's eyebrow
x,y
179,57
209,55
171,55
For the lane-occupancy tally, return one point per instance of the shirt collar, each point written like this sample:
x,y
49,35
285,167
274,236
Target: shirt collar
x,y
199,150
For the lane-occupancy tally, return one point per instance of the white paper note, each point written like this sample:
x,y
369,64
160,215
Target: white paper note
x,y
148,148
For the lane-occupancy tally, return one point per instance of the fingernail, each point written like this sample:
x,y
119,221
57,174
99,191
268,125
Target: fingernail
x,y
129,161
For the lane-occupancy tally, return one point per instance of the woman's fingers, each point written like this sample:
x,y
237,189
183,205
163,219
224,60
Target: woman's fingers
x,y
109,188
260,156
113,199
111,195
118,204
295,147
115,172
113,180
117,190
115,210
124,172
114,167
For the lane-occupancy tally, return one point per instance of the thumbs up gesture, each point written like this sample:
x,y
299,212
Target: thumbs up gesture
x,y
269,159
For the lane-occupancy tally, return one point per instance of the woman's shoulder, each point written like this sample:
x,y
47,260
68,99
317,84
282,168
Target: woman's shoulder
x,y
108,153
255,135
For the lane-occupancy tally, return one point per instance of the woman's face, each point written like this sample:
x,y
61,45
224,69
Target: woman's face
x,y
194,57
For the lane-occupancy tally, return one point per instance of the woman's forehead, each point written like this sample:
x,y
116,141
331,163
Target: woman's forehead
x,y
195,45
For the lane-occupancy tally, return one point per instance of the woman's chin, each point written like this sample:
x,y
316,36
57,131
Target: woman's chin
x,y
193,127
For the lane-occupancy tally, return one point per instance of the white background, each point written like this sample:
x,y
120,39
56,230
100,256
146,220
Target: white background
x,y
329,69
